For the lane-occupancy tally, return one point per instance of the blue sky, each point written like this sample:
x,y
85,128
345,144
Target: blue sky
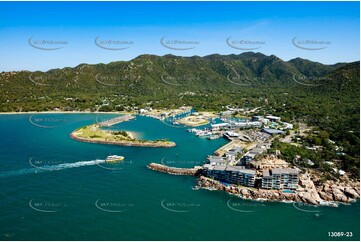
x,y
333,26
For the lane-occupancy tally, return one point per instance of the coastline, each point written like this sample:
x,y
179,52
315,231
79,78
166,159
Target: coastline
x,y
67,112
330,194
124,142
94,134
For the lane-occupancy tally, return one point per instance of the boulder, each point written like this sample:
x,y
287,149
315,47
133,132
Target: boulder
x,y
326,196
245,192
307,198
350,192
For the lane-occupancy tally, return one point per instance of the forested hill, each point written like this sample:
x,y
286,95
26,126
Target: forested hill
x,y
325,96
160,77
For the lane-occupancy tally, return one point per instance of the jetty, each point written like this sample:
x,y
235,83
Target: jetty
x,y
174,170
116,120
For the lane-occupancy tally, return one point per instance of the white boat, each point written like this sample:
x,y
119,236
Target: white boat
x,y
114,158
204,133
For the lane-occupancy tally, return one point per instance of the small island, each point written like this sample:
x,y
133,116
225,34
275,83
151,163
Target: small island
x,y
94,134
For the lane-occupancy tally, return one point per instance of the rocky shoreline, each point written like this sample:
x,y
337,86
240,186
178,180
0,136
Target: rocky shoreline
x,y
327,193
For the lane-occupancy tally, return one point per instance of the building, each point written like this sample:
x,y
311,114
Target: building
x,y
220,126
272,131
230,134
267,180
269,162
230,174
280,178
247,124
287,125
216,160
273,118
232,154
257,118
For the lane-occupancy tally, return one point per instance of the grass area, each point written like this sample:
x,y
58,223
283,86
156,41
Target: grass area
x,y
93,133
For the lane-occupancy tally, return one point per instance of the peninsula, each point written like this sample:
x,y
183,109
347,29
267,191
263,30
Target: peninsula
x,y
94,134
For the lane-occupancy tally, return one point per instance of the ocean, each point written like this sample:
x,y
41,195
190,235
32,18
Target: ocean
x,y
56,188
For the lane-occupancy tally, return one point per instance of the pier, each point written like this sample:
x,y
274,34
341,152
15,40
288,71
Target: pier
x,y
116,120
174,170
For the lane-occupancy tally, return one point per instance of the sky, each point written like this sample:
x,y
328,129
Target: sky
x,y
47,35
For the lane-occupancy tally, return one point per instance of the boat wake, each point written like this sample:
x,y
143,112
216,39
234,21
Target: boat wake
x,y
47,168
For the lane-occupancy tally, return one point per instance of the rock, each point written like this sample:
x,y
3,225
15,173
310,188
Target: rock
x,y
245,192
307,198
350,192
327,189
325,196
338,195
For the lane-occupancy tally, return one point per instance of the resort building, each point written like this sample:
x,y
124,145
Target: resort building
x,y
280,178
231,174
216,160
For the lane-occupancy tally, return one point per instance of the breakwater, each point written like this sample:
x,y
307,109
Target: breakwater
x,y
174,170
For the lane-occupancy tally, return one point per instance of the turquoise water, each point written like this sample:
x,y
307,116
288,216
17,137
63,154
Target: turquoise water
x,y
74,196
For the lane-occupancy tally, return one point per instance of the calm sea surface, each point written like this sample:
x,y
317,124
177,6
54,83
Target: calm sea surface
x,y
56,188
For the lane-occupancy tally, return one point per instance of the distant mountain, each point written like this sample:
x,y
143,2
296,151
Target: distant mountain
x,y
150,77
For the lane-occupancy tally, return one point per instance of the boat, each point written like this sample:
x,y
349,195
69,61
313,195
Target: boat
x,y
114,158
212,137
204,133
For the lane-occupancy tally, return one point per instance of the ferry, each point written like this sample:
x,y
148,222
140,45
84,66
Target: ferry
x,y
114,158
